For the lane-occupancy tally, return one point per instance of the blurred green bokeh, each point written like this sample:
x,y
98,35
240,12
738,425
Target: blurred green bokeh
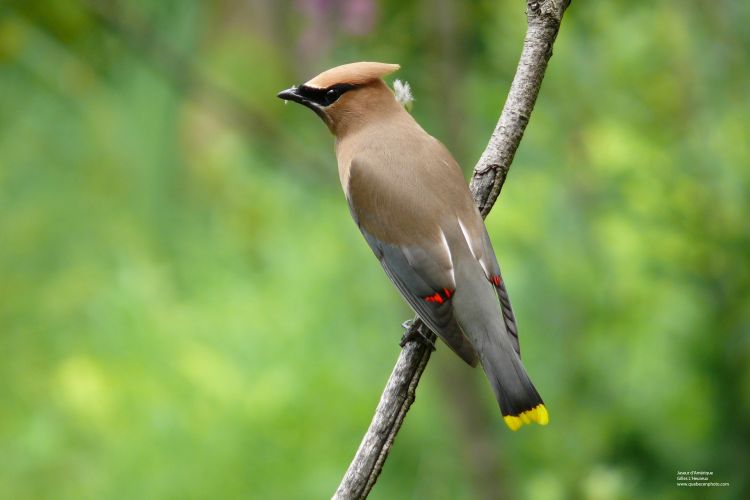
x,y
187,311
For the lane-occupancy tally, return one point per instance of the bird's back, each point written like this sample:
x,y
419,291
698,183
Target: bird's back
x,y
408,178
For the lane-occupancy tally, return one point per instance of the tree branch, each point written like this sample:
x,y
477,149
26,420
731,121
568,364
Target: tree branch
x,y
543,22
544,19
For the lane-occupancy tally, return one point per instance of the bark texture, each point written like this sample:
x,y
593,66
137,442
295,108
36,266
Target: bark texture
x,y
543,22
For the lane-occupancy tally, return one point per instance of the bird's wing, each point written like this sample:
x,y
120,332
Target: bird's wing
x,y
409,269
489,263
412,251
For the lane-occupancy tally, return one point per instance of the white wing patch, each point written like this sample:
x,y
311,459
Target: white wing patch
x,y
470,244
447,248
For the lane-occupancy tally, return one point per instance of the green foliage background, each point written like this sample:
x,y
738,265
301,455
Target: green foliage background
x,y
187,311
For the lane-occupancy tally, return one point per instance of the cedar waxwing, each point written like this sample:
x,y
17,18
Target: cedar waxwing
x,y
412,204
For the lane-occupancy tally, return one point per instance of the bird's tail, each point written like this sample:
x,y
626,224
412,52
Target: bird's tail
x,y
478,313
519,400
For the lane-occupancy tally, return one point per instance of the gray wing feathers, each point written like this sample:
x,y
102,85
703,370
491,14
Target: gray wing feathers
x,y
410,270
508,316
492,267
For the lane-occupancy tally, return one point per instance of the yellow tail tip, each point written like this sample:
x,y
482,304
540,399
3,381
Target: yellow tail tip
x,y
537,414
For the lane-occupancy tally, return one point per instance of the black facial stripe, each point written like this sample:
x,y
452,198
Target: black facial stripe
x,y
324,97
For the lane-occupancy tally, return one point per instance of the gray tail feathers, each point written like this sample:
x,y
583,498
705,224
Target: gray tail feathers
x,y
519,400
478,313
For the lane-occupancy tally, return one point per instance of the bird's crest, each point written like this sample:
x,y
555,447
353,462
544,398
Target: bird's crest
x,y
353,73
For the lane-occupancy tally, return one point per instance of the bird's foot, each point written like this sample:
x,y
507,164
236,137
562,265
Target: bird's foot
x,y
417,332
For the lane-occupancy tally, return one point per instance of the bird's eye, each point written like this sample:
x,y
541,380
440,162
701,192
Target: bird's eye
x,y
326,97
332,95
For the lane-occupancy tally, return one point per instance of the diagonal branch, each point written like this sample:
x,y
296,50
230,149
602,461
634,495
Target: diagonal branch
x,y
543,18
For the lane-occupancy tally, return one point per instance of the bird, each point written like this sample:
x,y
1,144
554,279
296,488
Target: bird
x,y
412,204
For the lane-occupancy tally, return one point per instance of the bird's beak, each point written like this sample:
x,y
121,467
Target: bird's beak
x,y
291,94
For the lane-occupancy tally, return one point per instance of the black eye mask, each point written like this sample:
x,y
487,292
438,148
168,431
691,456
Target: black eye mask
x,y
324,97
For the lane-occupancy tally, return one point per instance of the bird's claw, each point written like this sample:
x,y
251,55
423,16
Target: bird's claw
x,y
415,333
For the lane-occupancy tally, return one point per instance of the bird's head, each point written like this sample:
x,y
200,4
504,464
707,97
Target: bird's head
x,y
347,96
